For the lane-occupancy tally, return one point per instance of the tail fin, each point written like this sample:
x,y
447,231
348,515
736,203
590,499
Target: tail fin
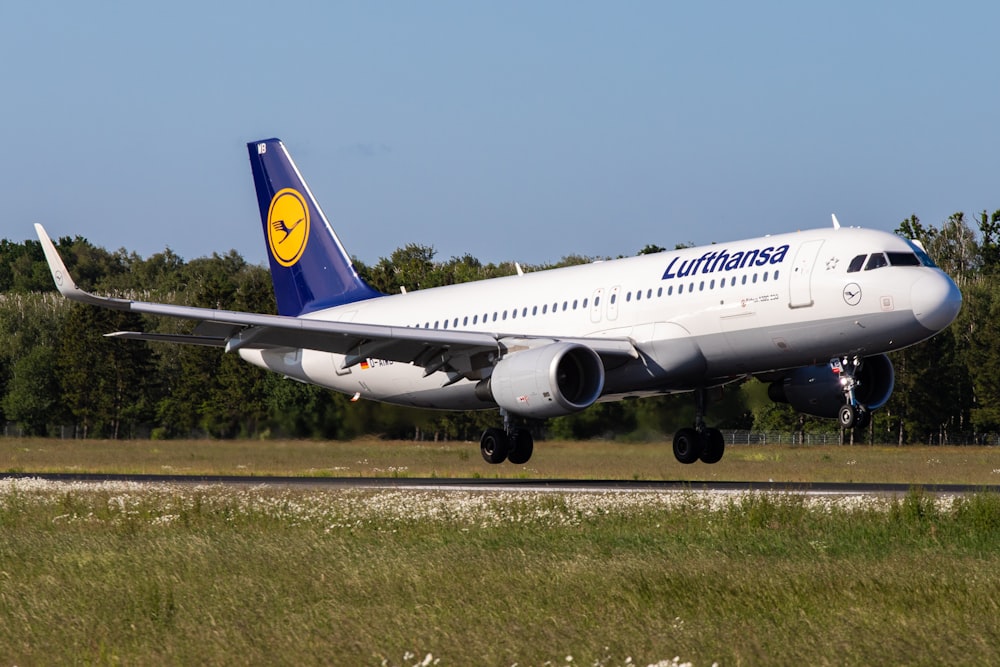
x,y
309,266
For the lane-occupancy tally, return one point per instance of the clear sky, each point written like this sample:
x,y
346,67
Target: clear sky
x,y
508,130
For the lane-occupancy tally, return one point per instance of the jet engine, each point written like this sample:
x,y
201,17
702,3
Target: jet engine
x,y
548,381
817,390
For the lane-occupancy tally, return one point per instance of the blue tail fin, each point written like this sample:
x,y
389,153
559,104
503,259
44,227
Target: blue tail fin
x,y
309,266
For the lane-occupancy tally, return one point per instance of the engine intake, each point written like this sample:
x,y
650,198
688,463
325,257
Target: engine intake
x,y
816,390
547,381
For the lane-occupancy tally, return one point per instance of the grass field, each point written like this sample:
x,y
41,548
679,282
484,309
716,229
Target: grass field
x,y
160,574
567,460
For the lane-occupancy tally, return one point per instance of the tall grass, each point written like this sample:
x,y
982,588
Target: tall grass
x,y
114,573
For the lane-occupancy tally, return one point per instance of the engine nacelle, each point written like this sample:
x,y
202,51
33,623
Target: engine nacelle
x,y
816,390
547,381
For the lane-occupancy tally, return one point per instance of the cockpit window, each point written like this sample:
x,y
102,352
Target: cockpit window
x,y
903,259
922,255
857,263
876,261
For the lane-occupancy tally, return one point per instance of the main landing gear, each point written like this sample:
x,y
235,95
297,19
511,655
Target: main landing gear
x,y
510,443
852,414
700,442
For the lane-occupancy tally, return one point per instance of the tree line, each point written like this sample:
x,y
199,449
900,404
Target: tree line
x,y
60,376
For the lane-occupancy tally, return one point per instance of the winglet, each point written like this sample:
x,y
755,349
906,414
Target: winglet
x,y
64,282
836,223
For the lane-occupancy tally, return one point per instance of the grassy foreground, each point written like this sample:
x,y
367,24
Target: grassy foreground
x,y
128,574
566,460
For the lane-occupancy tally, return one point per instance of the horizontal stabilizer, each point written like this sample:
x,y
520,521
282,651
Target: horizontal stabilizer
x,y
168,338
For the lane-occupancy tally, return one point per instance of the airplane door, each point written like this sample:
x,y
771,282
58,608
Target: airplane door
x,y
595,308
800,289
613,302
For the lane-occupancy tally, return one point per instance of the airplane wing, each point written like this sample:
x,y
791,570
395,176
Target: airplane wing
x,y
432,349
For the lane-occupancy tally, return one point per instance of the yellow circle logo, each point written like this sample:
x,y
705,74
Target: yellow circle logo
x,y
287,226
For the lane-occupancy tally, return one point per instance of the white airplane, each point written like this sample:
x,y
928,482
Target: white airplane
x,y
812,312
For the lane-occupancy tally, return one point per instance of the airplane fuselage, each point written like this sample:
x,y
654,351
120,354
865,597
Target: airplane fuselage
x,y
698,316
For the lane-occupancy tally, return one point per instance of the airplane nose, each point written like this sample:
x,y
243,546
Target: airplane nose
x,y
936,301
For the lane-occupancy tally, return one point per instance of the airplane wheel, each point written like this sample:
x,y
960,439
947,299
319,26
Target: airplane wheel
x,y
494,445
522,444
687,445
846,416
862,417
715,446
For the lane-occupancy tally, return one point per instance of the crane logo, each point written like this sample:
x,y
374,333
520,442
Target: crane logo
x,y
287,226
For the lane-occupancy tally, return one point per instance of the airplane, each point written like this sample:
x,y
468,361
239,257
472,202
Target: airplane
x,y
812,313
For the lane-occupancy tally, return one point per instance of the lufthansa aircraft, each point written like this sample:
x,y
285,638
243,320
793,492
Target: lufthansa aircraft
x,y
812,313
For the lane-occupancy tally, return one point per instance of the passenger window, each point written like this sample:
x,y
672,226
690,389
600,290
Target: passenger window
x,y
597,301
613,298
545,308
765,276
680,288
534,310
513,314
574,304
455,323
711,284
876,261
776,274
659,292
638,295
524,312
744,281
565,306
628,296
755,278
585,303
670,291
475,319
856,264
701,287
649,294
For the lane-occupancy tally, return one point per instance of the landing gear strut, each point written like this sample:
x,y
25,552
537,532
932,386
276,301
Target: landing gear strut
x,y
700,442
510,443
852,414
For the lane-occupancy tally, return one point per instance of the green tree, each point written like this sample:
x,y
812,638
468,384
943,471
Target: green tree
x,y
32,398
105,383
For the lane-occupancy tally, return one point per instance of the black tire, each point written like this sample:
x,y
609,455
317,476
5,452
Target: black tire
x,y
687,445
846,416
715,446
522,444
862,417
494,445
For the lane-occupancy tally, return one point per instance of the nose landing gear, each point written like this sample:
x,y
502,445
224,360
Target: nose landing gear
x,y
852,414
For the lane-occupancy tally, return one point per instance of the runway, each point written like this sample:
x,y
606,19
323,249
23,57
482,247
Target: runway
x,y
535,485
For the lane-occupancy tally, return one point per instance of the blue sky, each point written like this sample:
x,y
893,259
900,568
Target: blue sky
x,y
511,131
